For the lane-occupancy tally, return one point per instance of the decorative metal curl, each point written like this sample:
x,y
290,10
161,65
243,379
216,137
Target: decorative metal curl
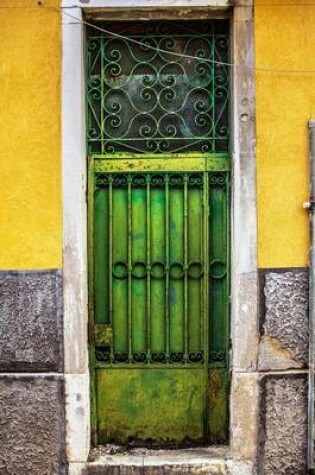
x,y
158,357
138,180
195,357
218,179
176,357
216,356
157,180
148,84
195,180
120,357
139,357
102,355
176,179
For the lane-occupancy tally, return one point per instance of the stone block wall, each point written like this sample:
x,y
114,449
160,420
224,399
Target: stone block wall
x,y
32,436
283,355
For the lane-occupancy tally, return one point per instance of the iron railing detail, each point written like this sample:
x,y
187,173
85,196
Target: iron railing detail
x,y
153,267
142,98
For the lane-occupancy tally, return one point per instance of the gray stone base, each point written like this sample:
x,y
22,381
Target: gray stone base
x,y
31,321
114,460
283,425
32,439
284,319
165,470
283,354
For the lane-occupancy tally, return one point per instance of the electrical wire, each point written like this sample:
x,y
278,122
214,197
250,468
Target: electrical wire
x,y
173,53
182,55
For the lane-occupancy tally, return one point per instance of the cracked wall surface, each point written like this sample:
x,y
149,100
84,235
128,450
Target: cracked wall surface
x,y
31,421
283,353
286,316
284,339
32,436
31,321
283,434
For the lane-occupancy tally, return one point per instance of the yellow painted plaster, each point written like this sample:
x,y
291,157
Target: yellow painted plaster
x,y
30,154
284,39
30,192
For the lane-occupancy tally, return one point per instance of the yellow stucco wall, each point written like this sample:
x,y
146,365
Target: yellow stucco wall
x,y
30,138
30,154
285,39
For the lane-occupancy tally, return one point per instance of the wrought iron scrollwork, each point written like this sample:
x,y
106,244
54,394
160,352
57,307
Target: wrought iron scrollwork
x,y
163,274
139,357
217,357
120,357
158,357
157,181
177,357
218,179
166,93
194,357
102,355
140,180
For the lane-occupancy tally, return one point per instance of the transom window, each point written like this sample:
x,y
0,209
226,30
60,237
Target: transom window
x,y
158,87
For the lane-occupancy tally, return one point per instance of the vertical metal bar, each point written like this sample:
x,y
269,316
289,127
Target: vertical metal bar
x,y
102,93
206,219
186,333
203,260
92,361
212,93
110,260
129,246
167,267
228,263
311,363
148,268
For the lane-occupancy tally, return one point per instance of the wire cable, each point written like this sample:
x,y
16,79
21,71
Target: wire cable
x,y
182,55
173,53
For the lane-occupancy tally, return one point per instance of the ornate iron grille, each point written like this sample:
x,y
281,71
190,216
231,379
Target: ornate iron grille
x,y
153,267
143,98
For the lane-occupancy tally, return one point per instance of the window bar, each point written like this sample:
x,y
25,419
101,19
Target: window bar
x,y
212,94
167,268
186,336
206,245
203,260
129,270
102,95
148,269
110,260
206,236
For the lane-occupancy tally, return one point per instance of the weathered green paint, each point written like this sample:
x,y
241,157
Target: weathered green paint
x,y
217,400
150,406
159,232
161,286
103,335
168,162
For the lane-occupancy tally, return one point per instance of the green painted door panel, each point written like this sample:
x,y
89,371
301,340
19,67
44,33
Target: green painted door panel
x,y
157,102
159,289
150,406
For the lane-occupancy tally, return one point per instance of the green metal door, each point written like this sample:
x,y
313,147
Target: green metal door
x,y
159,232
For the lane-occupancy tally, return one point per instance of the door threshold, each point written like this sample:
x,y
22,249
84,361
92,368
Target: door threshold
x,y
113,455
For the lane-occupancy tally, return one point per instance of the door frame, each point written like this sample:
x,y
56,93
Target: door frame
x,y
244,295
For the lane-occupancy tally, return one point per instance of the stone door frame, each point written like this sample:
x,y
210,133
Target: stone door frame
x,y
244,296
